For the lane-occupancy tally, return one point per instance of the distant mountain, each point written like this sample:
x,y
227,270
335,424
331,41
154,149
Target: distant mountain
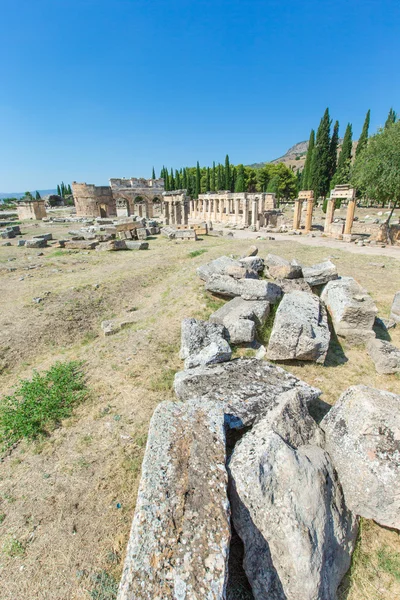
x,y
21,194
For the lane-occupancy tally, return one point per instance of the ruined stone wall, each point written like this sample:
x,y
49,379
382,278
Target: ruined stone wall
x,y
93,201
34,209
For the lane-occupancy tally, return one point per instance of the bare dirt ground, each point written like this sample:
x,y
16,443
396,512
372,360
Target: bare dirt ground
x,y
68,500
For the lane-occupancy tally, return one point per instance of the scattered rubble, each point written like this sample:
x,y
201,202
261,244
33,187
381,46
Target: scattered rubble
x,y
385,355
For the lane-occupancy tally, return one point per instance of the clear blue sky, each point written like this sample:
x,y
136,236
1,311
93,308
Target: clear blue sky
x,y
93,89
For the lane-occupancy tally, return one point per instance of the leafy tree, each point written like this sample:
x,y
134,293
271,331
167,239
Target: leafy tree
x,y
240,182
333,148
263,177
250,179
320,164
306,182
376,170
391,118
362,142
153,175
342,174
28,195
227,174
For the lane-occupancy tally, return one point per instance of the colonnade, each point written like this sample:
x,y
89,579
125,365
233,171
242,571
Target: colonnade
x,y
242,208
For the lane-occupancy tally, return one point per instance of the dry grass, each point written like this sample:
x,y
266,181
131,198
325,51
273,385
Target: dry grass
x,y
66,502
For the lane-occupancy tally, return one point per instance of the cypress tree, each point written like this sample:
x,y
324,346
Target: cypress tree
x,y
37,195
178,185
220,183
391,118
198,180
153,175
213,177
333,148
58,190
166,181
362,142
184,180
233,179
171,180
240,184
307,164
208,180
69,189
321,158
343,167
227,174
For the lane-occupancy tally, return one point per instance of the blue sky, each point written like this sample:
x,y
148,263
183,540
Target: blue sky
x,y
93,89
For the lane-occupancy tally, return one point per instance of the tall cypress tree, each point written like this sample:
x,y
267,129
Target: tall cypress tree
x,y
171,180
198,180
391,118
362,142
240,183
178,183
208,180
220,183
58,190
321,158
153,174
233,179
333,148
213,177
184,180
344,162
37,195
227,174
307,164
166,181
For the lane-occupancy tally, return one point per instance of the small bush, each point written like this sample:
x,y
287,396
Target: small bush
x,y
13,548
38,405
106,587
198,252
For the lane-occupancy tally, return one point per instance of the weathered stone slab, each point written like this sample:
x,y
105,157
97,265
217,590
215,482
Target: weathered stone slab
x,y
168,232
321,273
44,236
133,245
385,355
362,433
249,289
241,273
186,234
248,388
292,285
203,343
216,267
285,272
251,251
36,243
142,233
112,245
300,329
81,244
395,310
351,308
240,318
254,263
179,542
288,508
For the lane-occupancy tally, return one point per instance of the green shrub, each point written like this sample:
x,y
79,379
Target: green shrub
x,y
38,405
198,252
106,587
264,331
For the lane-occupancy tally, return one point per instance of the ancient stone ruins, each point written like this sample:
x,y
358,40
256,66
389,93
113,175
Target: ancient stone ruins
x,y
239,453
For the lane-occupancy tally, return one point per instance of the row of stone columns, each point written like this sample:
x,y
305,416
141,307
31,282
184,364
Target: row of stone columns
x,y
298,207
176,213
330,212
225,209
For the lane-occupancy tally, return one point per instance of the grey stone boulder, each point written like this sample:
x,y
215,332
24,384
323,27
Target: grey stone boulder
x,y
395,310
254,263
292,285
247,388
362,433
240,318
179,542
133,245
216,267
251,251
300,329
280,268
273,260
241,272
203,343
288,508
385,355
352,309
36,243
249,289
321,273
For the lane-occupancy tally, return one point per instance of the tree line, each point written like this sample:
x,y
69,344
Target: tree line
x,y
64,190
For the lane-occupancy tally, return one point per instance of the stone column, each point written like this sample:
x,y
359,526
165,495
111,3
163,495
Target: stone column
x,y
185,207
310,208
237,209
297,213
246,212
351,208
254,213
166,213
330,211
215,209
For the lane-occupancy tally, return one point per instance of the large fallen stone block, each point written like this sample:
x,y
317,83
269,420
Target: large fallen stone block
x,y
179,542
203,343
216,267
280,268
241,273
133,245
254,263
385,355
168,232
352,309
363,438
112,245
292,285
36,243
288,508
248,388
240,318
249,289
44,236
395,310
186,234
81,244
321,273
300,329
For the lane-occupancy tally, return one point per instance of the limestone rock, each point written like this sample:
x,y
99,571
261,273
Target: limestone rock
x,y
300,329
285,272
292,285
395,311
110,327
133,245
216,267
80,245
179,542
351,308
112,246
320,274
203,343
36,243
288,508
363,438
240,318
241,273
248,388
273,260
385,356
249,289
254,263
252,251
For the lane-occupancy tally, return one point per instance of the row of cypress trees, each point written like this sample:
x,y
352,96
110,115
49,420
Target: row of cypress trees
x,y
323,167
